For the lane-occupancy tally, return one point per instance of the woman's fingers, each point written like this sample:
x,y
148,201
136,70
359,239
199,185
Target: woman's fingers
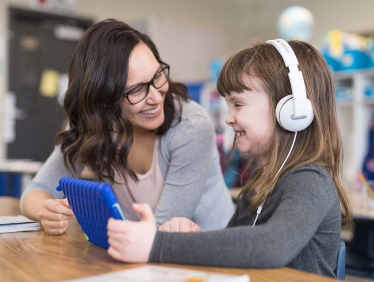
x,y
55,216
179,224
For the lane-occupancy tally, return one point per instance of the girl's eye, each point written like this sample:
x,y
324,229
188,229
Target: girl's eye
x,y
238,104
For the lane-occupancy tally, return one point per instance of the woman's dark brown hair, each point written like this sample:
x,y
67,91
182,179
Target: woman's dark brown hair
x,y
99,135
320,143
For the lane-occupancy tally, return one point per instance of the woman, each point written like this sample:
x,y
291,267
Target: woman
x,y
131,126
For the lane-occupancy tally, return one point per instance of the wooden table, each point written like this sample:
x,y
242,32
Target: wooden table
x,y
36,256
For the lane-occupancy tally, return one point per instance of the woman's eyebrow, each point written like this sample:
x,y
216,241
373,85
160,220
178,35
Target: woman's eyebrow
x,y
143,83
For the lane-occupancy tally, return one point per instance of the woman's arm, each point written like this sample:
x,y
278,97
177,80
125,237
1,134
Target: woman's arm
x,y
47,179
41,201
32,203
193,174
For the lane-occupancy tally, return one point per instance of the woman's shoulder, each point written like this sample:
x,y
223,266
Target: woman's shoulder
x,y
191,109
192,115
194,122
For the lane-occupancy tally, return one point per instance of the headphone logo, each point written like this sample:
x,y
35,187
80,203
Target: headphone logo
x,y
294,112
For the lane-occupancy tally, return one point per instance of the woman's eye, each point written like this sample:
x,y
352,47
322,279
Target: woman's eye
x,y
137,90
238,104
158,75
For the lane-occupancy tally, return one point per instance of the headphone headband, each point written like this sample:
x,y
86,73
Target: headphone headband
x,y
301,106
285,51
295,76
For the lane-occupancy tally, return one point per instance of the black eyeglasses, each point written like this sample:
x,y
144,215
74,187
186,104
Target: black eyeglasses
x,y
139,92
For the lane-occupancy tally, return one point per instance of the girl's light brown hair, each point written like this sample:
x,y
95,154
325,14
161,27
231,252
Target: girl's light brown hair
x,y
319,144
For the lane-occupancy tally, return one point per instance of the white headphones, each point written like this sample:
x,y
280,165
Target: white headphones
x,y
294,112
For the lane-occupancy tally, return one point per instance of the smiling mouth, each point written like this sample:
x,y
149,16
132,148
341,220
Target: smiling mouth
x,y
239,133
151,112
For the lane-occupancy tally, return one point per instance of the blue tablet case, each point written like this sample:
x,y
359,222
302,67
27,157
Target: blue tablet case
x,y
93,203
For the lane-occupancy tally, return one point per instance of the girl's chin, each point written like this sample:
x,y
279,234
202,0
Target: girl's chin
x,y
243,150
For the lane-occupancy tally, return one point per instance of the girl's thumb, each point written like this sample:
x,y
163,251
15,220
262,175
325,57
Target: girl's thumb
x,y
144,210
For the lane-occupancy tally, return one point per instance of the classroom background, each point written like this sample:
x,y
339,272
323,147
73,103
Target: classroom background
x,y
37,38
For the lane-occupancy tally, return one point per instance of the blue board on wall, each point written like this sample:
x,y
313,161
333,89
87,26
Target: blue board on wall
x,y
194,90
10,184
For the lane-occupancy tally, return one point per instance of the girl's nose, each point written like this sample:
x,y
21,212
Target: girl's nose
x,y
229,120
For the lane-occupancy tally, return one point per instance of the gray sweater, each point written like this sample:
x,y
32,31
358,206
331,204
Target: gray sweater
x,y
189,161
299,227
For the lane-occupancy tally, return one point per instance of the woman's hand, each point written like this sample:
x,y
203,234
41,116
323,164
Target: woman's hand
x,y
179,224
132,241
55,216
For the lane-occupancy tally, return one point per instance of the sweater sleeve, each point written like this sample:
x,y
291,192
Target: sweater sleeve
x,y
234,218
189,148
49,175
301,209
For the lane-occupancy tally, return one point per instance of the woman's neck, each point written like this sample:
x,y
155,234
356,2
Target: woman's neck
x,y
141,152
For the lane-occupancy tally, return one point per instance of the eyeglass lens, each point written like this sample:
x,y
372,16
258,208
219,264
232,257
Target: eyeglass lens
x,y
140,92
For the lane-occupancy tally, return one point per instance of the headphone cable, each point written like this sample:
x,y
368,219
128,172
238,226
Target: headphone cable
x,y
259,209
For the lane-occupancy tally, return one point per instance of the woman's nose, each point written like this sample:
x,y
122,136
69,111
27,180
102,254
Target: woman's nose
x,y
155,94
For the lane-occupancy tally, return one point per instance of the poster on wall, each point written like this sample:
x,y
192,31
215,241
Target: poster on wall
x,y
2,55
54,5
8,118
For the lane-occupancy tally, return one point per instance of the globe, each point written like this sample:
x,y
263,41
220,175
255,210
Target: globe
x,y
295,22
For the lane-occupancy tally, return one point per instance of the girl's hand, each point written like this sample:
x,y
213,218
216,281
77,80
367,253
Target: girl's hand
x,y
132,241
55,216
179,224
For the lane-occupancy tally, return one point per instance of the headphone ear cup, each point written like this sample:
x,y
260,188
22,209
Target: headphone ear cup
x,y
284,112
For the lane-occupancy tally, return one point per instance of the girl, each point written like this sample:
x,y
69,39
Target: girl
x,y
135,129
291,210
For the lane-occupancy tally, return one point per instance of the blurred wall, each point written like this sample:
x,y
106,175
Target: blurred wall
x,y
346,15
241,20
